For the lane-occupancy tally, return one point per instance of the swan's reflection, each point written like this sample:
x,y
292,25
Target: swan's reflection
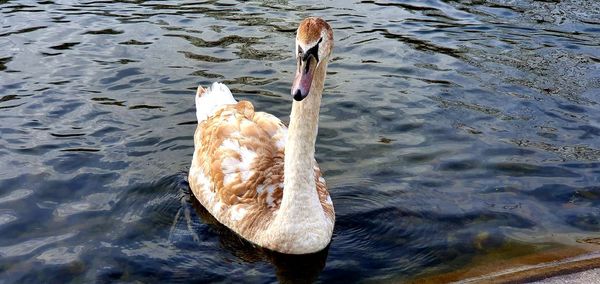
x,y
289,268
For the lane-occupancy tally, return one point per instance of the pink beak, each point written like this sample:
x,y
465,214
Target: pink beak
x,y
303,80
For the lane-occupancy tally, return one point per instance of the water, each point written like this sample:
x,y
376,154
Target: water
x,y
450,130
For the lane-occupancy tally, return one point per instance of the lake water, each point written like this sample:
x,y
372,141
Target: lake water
x,y
451,131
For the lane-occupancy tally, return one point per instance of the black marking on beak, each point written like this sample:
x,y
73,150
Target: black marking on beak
x,y
298,96
306,65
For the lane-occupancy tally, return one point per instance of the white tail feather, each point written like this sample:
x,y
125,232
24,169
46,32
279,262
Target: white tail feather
x,y
207,102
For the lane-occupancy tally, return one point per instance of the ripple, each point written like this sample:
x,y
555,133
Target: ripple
x,y
70,162
3,62
61,255
104,32
564,194
22,31
417,43
65,46
135,42
145,107
155,250
30,246
9,98
80,150
7,216
205,58
121,74
520,169
91,203
16,195
567,152
222,42
67,135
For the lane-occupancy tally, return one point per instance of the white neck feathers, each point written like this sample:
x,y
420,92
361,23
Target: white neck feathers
x,y
300,220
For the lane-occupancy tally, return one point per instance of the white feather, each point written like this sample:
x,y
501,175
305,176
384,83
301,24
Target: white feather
x,y
215,96
237,212
229,165
281,138
229,144
248,157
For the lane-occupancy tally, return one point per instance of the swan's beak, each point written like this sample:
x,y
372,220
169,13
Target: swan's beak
x,y
303,78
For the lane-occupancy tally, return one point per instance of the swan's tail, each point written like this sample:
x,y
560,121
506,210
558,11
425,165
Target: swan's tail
x,y
209,100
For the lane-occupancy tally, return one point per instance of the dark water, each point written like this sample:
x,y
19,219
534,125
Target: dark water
x,y
449,129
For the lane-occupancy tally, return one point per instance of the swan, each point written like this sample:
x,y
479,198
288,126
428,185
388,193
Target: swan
x,y
254,175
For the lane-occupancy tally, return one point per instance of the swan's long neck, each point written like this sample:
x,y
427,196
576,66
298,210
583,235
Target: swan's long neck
x,y
300,216
299,178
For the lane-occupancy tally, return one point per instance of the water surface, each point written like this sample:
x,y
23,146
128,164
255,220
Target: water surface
x,y
449,130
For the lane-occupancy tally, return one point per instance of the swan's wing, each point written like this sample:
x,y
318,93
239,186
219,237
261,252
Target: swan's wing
x,y
237,169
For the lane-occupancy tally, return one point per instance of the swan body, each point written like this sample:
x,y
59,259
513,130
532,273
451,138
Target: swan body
x,y
256,176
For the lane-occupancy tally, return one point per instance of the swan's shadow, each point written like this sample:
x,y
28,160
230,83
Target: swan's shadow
x,y
289,268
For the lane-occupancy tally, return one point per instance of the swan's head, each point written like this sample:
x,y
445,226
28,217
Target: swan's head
x,y
314,43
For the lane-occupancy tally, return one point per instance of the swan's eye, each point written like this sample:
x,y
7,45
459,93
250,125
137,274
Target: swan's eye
x,y
299,51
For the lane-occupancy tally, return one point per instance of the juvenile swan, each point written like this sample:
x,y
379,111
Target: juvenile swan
x,y
258,177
